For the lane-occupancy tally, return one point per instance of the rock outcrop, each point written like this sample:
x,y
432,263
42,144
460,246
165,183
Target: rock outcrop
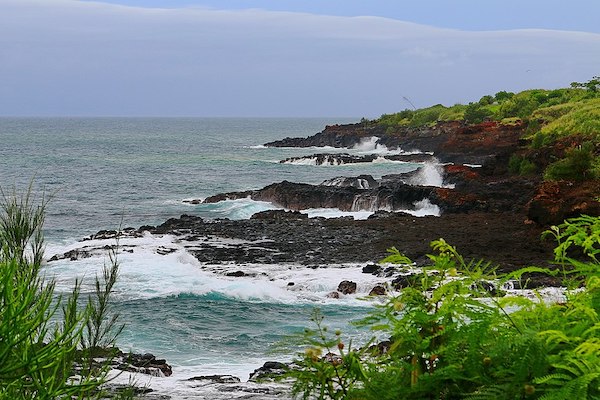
x,y
454,141
553,202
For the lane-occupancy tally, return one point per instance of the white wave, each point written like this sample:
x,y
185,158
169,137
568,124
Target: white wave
x,y
145,273
342,181
369,145
234,209
430,174
259,146
336,213
424,208
473,165
179,202
181,386
383,160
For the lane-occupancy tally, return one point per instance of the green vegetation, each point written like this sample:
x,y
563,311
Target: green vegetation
x,y
453,338
521,166
43,337
548,116
529,105
579,164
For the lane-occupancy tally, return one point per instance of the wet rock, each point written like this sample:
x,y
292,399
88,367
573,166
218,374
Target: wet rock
x,y
236,274
347,287
143,363
373,269
279,215
330,159
269,370
378,290
73,255
347,135
359,182
403,281
485,286
216,378
333,295
163,251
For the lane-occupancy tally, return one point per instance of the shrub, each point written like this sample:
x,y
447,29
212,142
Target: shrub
x,y
37,353
521,166
457,340
577,165
475,113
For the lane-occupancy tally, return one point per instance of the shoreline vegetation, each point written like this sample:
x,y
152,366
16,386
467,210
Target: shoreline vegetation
x,y
513,166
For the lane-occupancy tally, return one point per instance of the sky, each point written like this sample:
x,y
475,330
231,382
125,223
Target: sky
x,y
284,58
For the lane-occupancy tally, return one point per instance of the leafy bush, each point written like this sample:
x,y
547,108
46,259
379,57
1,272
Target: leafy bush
x,y
521,165
577,165
475,113
38,355
456,339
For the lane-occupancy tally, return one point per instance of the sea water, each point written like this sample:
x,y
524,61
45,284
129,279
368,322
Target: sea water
x,y
106,173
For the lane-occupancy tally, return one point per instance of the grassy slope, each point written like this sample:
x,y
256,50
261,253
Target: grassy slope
x,y
550,116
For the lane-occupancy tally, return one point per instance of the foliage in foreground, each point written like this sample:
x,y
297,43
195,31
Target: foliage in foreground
x,y
450,338
44,336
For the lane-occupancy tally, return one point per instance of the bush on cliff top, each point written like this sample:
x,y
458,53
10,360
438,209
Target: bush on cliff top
x,y
458,340
547,105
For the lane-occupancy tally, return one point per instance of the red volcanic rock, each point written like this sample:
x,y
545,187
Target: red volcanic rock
x,y
556,201
458,171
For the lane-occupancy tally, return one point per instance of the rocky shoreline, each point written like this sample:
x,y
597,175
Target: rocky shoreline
x,y
481,208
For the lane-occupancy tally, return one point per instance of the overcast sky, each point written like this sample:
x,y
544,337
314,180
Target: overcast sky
x,y
284,57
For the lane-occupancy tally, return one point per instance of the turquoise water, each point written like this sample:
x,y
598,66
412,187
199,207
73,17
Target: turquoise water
x,y
100,171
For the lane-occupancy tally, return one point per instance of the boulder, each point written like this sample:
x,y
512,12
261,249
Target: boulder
x,y
378,290
269,370
373,269
347,287
554,202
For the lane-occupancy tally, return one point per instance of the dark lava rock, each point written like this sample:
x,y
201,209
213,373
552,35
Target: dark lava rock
x,y
373,269
333,135
144,363
403,281
236,274
301,196
279,215
216,378
72,255
269,370
501,238
359,182
333,295
378,291
332,159
163,251
347,287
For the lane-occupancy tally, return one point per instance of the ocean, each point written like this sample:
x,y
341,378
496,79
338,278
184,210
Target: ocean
x,y
106,173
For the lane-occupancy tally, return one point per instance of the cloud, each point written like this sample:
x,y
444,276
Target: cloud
x,y
62,57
